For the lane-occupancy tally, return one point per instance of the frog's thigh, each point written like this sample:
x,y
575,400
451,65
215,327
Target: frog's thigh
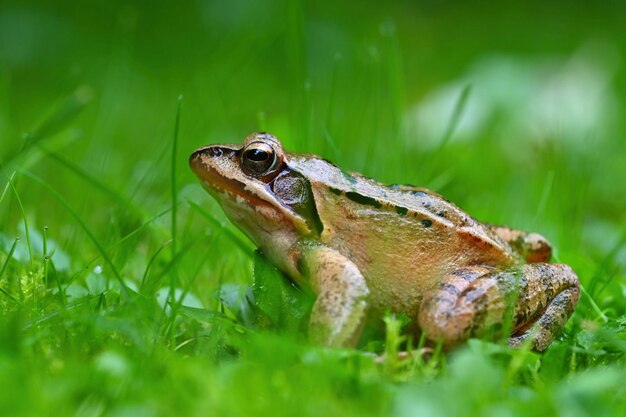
x,y
467,303
532,246
339,310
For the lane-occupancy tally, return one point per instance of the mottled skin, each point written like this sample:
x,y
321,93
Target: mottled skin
x,y
365,248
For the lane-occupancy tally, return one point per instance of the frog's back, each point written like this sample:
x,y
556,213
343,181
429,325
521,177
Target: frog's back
x,y
414,205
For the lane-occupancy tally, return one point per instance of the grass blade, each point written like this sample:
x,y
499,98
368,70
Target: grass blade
x,y
23,213
173,273
151,261
9,255
173,174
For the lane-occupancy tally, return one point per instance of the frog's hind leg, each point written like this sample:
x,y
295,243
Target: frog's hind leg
x,y
532,246
471,301
557,290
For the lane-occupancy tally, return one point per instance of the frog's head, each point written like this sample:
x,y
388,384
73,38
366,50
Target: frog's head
x,y
257,189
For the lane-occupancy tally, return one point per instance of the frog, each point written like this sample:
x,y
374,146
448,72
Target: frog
x,y
366,249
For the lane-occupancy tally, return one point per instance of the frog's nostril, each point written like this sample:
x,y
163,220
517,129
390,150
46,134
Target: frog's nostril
x,y
214,151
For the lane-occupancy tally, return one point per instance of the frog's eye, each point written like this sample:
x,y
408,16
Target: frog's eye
x,y
258,158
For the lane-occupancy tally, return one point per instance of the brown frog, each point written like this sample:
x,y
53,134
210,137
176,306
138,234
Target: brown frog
x,y
365,248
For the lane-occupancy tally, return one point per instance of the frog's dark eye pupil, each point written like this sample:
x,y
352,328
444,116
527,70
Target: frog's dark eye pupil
x,y
257,155
258,159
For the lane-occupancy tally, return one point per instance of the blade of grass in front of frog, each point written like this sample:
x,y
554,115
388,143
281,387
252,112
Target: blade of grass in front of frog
x,y
246,248
83,225
111,192
23,213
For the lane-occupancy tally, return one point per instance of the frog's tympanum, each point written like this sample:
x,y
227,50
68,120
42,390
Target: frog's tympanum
x,y
366,248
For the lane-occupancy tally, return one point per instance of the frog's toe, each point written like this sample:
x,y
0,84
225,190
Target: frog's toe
x,y
549,324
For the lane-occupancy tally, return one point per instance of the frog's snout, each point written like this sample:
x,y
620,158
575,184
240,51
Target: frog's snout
x,y
211,158
195,159
199,158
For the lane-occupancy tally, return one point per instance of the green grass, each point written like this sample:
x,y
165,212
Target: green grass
x,y
125,291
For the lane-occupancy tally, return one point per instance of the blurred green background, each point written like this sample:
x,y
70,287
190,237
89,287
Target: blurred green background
x,y
371,86
515,112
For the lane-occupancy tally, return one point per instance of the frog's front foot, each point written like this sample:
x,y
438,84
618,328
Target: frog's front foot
x,y
473,300
339,311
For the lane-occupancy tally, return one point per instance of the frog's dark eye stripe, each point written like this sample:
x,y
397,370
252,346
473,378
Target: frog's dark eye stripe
x,y
258,158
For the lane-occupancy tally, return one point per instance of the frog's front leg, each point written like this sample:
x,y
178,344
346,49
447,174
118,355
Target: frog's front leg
x,y
339,310
470,301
